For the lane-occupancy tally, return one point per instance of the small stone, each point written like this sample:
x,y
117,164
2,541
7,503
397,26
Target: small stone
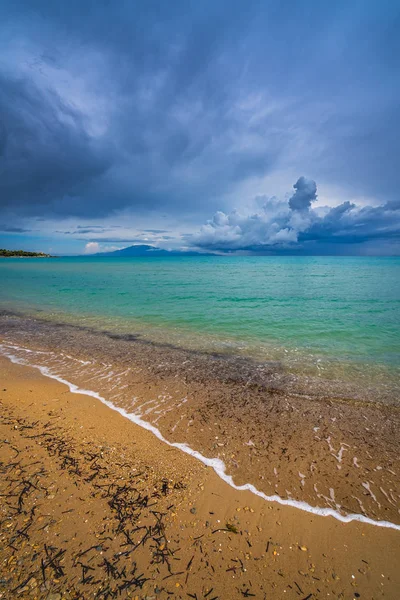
x,y
54,596
303,548
193,510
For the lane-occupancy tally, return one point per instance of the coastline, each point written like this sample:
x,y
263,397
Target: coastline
x,y
339,559
309,450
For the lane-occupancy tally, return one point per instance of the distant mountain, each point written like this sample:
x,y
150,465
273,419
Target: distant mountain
x,y
149,251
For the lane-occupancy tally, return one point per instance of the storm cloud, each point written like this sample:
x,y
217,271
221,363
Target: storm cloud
x,y
121,107
140,112
294,226
47,157
305,194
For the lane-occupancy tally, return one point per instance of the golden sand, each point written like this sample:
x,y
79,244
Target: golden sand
x,y
93,506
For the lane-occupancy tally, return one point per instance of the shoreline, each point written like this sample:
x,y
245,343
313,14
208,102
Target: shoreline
x,y
314,452
214,463
270,372
271,541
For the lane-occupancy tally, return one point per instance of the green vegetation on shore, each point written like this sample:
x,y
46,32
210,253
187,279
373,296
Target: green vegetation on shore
x,y
23,253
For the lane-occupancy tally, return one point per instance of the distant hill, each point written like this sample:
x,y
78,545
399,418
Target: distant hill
x,y
149,251
23,253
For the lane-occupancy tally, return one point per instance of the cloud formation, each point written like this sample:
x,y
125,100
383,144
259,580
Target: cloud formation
x,y
92,248
134,111
305,194
295,226
47,157
11,229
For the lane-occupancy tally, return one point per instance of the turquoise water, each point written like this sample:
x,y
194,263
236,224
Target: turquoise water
x,y
314,312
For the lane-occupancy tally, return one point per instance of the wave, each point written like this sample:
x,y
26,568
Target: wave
x,y
215,463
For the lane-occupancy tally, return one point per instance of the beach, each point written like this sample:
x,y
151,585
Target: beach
x,y
285,438
97,505
160,442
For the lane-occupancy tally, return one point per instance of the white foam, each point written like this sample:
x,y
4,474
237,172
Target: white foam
x,y
339,455
83,362
215,463
367,486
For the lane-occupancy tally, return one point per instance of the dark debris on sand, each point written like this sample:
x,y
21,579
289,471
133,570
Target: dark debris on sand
x,y
107,566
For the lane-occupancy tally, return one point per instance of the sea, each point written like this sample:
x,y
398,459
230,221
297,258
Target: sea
x,y
339,316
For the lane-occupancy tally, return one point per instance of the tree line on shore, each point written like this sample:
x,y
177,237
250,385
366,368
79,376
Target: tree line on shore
x,y
10,253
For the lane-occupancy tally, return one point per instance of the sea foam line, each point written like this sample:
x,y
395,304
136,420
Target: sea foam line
x,y
215,463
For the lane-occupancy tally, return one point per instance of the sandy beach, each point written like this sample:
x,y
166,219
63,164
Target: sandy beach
x,y
94,506
291,437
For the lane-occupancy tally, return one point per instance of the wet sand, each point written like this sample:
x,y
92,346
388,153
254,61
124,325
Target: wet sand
x,y
286,436
94,506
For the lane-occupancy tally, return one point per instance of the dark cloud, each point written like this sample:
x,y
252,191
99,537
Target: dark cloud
x,y
350,224
305,194
118,107
47,155
297,227
90,227
84,231
10,229
179,108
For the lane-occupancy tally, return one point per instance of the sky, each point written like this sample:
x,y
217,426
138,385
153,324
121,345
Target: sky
x,y
267,127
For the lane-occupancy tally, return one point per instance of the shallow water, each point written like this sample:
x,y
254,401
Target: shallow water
x,y
331,317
